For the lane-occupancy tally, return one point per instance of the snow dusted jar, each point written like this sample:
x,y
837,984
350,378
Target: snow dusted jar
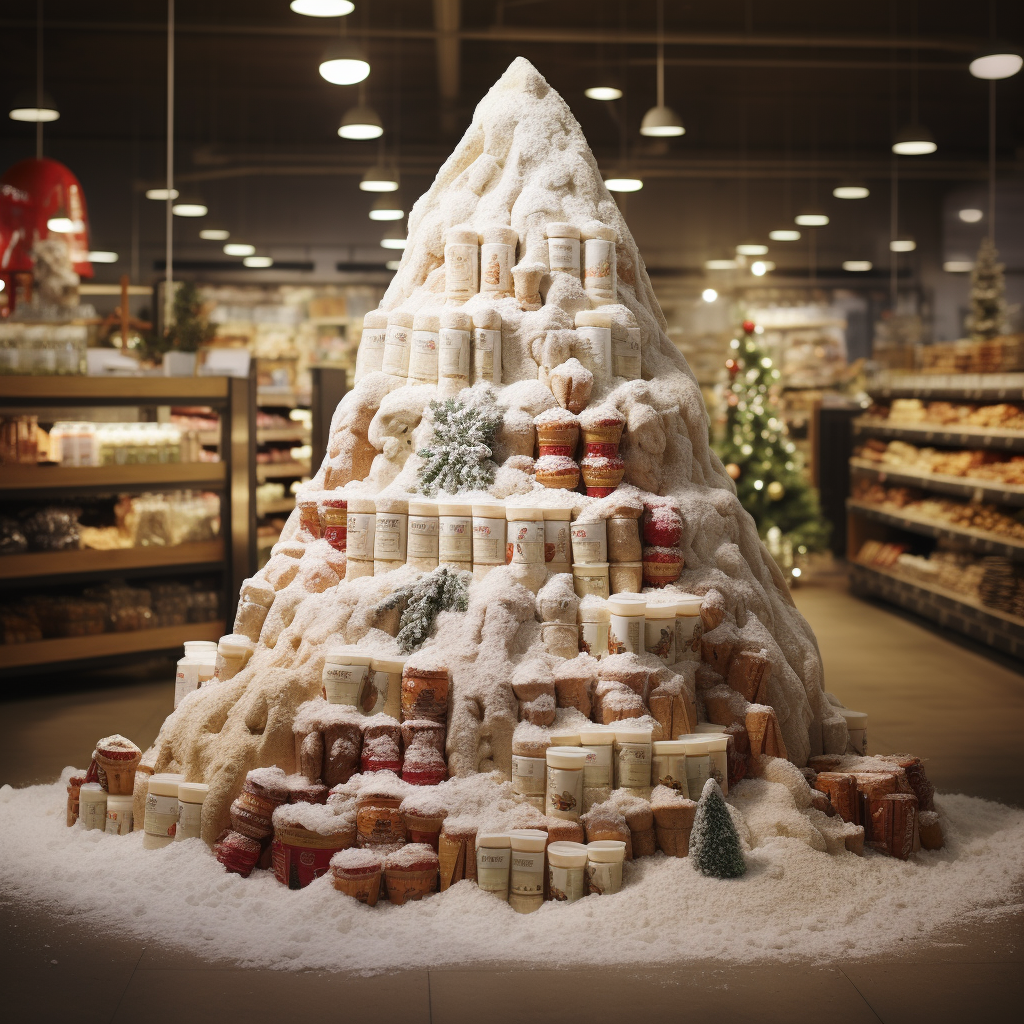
x,y
598,772
370,354
488,538
461,264
422,550
599,262
625,346
590,542
556,539
309,517
698,764
233,653
604,866
253,604
590,579
493,861
718,759
624,539
857,727
335,522
423,352
191,796
594,328
195,668
563,247
567,869
387,681
593,621
390,534
626,577
632,758
92,806
689,628
529,769
398,344
563,791
626,624
525,536
119,815
660,632
487,346
455,342
161,810
668,765
526,875
497,255
456,536
362,522
344,678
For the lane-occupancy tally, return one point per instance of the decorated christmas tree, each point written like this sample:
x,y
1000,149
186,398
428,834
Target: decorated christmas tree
x,y
761,458
987,318
714,842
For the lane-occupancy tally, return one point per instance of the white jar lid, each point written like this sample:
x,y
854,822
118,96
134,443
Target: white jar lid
x,y
388,664
669,747
422,508
524,514
399,318
341,658
593,609
123,801
695,746
531,840
708,727
489,511
92,792
165,783
854,719
606,851
358,503
660,611
194,647
716,742
493,840
688,604
590,568
567,738
375,318
633,735
192,792
597,738
627,604
593,318
391,506
455,510
561,229
567,855
570,758
558,515
235,645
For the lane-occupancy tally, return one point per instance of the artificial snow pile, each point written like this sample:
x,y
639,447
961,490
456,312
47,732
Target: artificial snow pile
x,y
793,903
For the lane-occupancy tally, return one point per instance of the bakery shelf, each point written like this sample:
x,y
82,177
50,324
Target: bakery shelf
x,y
999,387
129,478
67,563
998,629
113,390
298,435
277,470
269,508
976,540
943,434
105,645
967,487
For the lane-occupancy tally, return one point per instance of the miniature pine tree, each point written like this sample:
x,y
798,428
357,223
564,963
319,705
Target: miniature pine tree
x,y
987,318
442,590
190,329
714,842
759,455
459,456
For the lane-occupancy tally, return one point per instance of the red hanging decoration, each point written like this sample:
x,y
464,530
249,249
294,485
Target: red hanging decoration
x,y
748,326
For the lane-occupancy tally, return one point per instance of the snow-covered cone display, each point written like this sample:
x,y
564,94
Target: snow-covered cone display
x,y
523,172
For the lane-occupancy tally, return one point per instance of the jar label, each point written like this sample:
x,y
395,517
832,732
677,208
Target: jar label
x,y
590,583
423,531
460,270
186,679
566,885
423,357
564,254
161,815
396,350
527,872
488,541
697,768
689,630
93,813
626,355
343,684
528,775
556,542
625,634
189,820
453,354
600,272
492,866
597,348
370,354
633,765
669,770
603,878
456,539
589,543
496,261
119,823
525,543
389,536
594,638
563,794
598,769
361,527
487,355
660,639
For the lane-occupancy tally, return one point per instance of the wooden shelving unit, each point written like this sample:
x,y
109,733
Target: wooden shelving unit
x,y
942,434
207,475
278,470
271,508
71,563
967,487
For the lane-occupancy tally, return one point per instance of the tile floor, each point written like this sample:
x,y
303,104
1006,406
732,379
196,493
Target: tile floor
x,y
962,712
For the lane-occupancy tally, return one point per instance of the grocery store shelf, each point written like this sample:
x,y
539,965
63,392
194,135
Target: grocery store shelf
x,y
134,477
113,390
271,398
1002,387
262,543
935,433
277,470
66,563
951,610
300,435
269,508
104,645
967,487
976,540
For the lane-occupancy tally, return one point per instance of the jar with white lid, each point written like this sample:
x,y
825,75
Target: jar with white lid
x,y
688,627
191,796
161,810
119,814
718,759
598,772
370,354
423,350
360,529
590,542
497,256
233,653
455,342
528,773
557,543
487,346
398,344
561,639
493,860
660,632
625,577
563,247
526,875
668,765
624,539
390,535
594,326
344,678
92,806
525,535
604,866
599,270
563,791
254,601
489,530
632,758
567,870
698,764
461,264
593,618
590,579
387,682
196,667
422,548
455,536
857,726
626,624
626,347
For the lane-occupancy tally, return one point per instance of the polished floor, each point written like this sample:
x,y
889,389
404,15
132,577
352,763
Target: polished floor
x,y
926,694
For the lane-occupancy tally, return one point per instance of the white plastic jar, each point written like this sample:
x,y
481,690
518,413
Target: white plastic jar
x,y
563,790
487,345
233,653
370,354
660,632
344,677
423,350
196,667
594,326
857,726
191,796
390,535
718,759
254,602
360,529
398,344
668,765
599,272
598,772
161,810
625,577
92,806
626,358
563,247
525,535
590,579
632,758
119,814
493,860
604,866
626,623
593,619
557,539
387,681
455,536
567,870
461,264
590,542
422,548
488,538
688,627
526,874
698,765
497,256
455,343
528,776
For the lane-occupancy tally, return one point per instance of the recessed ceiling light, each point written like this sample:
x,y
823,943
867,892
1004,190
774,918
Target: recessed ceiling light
x,y
811,220
720,264
914,140
624,183
189,210
784,235
993,66
751,249
605,93
239,249
102,256
851,190
958,266
323,8
161,194
258,262
214,235
709,295
902,245
970,216
857,266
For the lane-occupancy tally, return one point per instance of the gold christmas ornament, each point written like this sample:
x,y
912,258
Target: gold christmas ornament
x,y
733,470
776,490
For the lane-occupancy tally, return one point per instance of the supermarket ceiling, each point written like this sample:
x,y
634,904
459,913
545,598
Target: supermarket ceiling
x,y
780,99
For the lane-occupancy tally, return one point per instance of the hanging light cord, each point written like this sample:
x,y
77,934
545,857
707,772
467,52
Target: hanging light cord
x,y
661,53
39,79
169,217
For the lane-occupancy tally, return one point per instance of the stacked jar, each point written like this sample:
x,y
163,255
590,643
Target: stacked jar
x,y
563,248
633,759
191,797
590,558
423,353
370,354
524,544
390,534
344,678
489,530
557,542
663,530
497,255
626,625
233,653
529,768
387,681
626,360
487,346
309,518
196,668
602,466
599,770
594,328
599,271
526,874
254,602
455,342
558,432
455,536
563,791
689,628
593,622
461,264
161,810
334,522
422,547
660,630
398,344
362,522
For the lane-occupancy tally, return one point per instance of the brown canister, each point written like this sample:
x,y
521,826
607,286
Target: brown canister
x,y
309,518
425,694
334,522
379,822
75,784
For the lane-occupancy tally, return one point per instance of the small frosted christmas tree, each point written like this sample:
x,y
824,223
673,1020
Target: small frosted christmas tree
x,y
987,318
714,842
759,456
443,590
459,456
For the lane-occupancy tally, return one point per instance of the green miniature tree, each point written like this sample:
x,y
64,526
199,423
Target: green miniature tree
x,y
190,329
443,590
714,843
459,456
987,318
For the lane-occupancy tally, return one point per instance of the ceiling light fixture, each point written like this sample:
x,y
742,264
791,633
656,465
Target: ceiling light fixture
x,y
34,111
394,239
344,64
379,179
323,8
387,207
751,249
857,266
709,295
62,225
160,194
996,63
393,264
759,268
851,190
914,140
784,235
361,123
623,183
811,219
902,245
102,256
720,264
214,235
258,262
970,216
239,249
189,210
958,266
661,122
605,93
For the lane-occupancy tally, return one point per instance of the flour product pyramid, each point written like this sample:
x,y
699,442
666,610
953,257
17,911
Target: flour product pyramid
x,y
559,335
